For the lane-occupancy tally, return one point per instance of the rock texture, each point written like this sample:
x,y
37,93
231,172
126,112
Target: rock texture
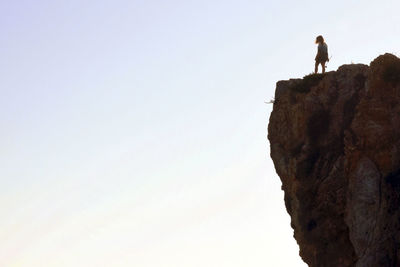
x,y
335,143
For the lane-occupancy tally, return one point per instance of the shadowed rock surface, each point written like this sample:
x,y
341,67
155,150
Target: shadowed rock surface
x,y
335,143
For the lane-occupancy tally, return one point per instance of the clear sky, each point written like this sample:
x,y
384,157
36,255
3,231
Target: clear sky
x,y
134,133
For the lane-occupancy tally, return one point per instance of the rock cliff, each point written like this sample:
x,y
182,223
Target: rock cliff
x,y
335,143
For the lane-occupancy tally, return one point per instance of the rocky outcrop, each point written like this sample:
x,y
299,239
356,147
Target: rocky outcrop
x,y
335,143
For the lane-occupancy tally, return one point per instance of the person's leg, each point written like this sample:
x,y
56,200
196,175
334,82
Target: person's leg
x,y
316,67
323,66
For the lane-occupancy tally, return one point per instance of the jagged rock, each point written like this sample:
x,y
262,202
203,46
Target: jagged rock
x,y
335,143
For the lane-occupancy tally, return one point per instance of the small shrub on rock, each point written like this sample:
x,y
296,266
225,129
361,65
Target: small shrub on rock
x,y
308,81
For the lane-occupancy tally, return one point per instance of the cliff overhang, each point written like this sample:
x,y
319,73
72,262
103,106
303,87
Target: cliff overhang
x,y
335,144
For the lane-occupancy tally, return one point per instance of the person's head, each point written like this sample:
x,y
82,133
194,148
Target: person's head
x,y
319,40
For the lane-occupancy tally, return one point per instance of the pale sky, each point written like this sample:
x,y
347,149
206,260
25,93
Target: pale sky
x,y
134,133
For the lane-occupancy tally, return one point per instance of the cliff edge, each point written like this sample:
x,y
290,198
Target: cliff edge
x,y
335,143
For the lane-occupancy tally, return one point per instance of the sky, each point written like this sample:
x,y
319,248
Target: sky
x,y
134,133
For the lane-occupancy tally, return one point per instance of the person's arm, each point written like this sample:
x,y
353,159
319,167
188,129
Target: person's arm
x,y
327,53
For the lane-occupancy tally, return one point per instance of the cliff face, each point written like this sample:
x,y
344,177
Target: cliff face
x,y
335,143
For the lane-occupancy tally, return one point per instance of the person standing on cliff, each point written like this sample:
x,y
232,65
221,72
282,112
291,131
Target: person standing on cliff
x,y
322,54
